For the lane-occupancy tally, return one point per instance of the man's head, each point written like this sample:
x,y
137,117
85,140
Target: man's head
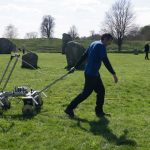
x,y
106,39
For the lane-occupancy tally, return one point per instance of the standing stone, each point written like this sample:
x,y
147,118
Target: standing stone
x,y
65,39
6,46
74,51
29,59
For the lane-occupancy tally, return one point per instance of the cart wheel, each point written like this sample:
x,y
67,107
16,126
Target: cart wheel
x,y
28,110
6,103
1,109
40,101
38,107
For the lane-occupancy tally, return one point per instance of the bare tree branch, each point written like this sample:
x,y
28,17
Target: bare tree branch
x,y
47,26
10,32
31,35
119,20
73,32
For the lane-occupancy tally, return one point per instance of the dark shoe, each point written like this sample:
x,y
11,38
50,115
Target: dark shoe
x,y
100,114
69,112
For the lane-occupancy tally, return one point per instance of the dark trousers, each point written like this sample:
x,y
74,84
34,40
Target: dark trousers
x,y
91,84
146,55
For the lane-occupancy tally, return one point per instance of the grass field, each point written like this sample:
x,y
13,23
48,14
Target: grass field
x,y
55,45
128,103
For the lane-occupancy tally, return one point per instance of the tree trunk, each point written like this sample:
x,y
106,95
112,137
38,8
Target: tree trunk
x,y
119,44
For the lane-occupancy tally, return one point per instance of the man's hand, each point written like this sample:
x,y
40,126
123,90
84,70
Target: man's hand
x,y
72,70
115,78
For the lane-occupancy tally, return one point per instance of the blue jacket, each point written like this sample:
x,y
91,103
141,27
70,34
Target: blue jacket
x,y
95,55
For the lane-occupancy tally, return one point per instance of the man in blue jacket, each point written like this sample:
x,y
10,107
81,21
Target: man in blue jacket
x,y
95,55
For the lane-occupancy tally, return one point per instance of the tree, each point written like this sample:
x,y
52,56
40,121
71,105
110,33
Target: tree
x,y
92,33
145,32
119,20
10,32
31,35
47,26
94,36
73,32
134,33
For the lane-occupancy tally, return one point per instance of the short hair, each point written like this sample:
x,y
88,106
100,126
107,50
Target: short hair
x,y
108,36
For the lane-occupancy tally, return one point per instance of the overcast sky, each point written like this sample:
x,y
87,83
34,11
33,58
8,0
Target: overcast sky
x,y
86,15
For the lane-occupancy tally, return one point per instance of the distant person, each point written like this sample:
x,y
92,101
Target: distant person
x,y
146,49
23,50
95,55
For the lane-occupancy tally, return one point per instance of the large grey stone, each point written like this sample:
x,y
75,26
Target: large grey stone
x,y
30,59
74,51
6,46
65,39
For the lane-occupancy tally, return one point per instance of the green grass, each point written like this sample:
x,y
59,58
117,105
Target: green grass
x,y
128,102
39,44
55,45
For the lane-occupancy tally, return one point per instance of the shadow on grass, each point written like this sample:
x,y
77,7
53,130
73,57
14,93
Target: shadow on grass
x,y
6,129
20,116
101,128
17,117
